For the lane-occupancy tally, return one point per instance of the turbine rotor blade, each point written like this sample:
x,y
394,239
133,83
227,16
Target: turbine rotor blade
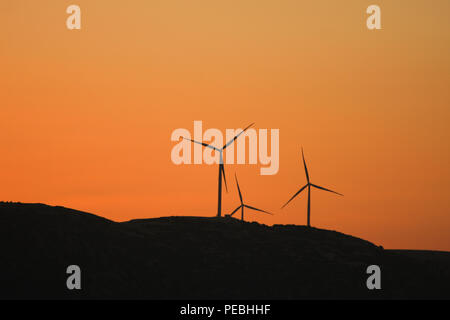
x,y
256,209
203,144
239,189
325,189
306,169
222,170
231,214
236,136
303,188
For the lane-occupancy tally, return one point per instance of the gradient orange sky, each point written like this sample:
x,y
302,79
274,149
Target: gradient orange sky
x,y
86,116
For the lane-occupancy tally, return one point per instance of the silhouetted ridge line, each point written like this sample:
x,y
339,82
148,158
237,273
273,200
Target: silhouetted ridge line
x,y
199,258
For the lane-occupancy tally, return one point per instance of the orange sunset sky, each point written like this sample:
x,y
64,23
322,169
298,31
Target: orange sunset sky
x,y
86,115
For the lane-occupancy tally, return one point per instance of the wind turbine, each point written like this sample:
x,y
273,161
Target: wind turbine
x,y
242,206
221,167
308,185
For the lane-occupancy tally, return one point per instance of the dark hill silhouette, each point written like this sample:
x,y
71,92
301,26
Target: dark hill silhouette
x,y
193,258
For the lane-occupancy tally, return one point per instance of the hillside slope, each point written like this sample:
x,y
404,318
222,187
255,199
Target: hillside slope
x,y
193,258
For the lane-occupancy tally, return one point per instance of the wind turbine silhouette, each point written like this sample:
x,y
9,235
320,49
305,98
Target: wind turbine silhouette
x,y
308,185
221,167
242,206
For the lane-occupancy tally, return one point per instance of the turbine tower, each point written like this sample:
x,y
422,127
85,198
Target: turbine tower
x,y
242,206
308,185
221,166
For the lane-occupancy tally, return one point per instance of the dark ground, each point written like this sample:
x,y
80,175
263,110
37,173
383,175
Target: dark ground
x,y
200,258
